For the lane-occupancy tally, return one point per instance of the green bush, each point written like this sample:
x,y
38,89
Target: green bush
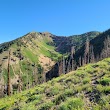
x,y
71,104
46,106
105,81
52,91
60,98
86,80
34,97
107,90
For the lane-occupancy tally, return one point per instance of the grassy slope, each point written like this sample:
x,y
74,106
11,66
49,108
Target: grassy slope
x,y
35,44
31,49
83,89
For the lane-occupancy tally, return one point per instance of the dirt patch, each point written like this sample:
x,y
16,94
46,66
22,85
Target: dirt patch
x,y
46,62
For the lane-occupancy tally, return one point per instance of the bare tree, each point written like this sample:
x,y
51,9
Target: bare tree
x,y
86,54
72,57
8,76
63,61
20,82
92,58
35,76
106,49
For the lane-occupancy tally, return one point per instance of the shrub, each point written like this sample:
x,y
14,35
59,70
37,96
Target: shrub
x,y
34,97
59,99
80,73
100,88
107,89
71,104
51,91
86,80
46,106
105,81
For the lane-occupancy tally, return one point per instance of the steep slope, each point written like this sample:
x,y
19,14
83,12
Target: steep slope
x,y
92,51
64,44
99,48
84,89
32,55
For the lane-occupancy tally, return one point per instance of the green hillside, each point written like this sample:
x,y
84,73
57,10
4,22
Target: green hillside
x,y
35,53
84,89
27,56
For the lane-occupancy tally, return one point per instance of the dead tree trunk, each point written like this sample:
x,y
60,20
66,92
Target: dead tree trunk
x,y
92,59
86,54
72,57
20,82
63,65
8,76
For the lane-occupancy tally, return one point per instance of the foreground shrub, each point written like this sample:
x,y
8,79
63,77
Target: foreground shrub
x,y
71,104
105,81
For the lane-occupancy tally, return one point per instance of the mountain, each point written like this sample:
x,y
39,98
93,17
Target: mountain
x,y
33,55
84,89
92,51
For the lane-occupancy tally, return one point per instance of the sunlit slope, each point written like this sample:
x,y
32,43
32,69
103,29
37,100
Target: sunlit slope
x,y
83,89
36,51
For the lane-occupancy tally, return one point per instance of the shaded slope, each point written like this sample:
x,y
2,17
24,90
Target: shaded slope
x,y
97,43
86,88
64,44
98,49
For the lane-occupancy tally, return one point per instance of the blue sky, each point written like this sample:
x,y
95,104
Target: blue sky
x,y
60,17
